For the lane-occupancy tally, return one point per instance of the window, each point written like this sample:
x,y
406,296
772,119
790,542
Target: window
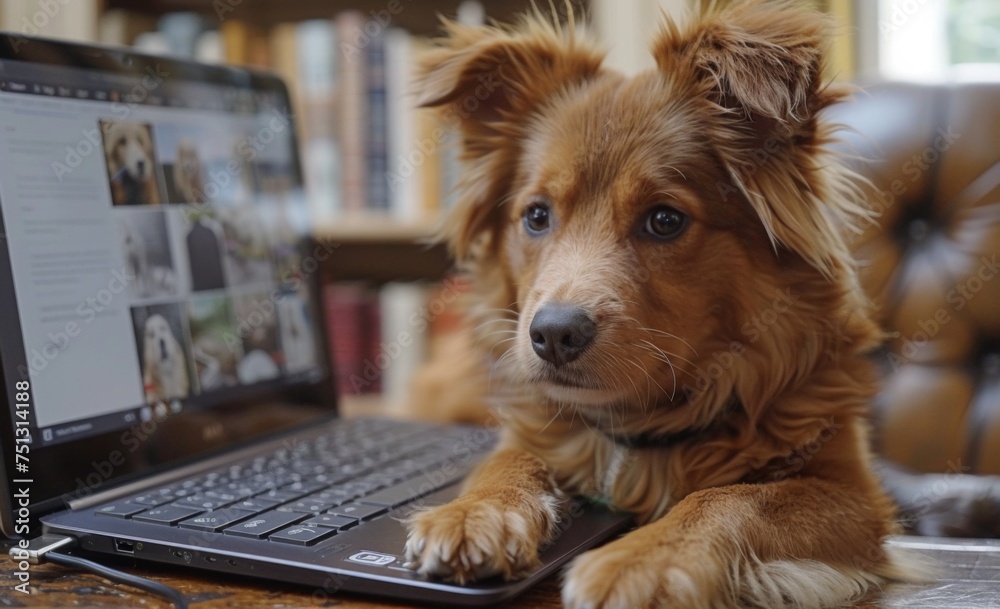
x,y
923,39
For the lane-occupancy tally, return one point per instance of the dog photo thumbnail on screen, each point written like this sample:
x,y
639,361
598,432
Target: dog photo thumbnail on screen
x,y
130,157
148,253
164,354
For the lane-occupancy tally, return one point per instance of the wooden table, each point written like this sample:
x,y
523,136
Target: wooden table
x,y
970,579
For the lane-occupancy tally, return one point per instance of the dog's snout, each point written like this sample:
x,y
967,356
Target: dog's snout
x,y
560,333
141,167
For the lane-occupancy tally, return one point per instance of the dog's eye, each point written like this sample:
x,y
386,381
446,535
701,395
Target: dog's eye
x,y
665,222
536,217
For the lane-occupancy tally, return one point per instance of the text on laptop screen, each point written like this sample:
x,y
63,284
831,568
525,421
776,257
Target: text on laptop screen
x,y
153,227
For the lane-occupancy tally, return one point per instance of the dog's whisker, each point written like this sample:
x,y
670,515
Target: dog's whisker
x,y
651,331
663,356
496,364
649,377
660,353
618,370
615,371
642,402
559,409
498,320
498,332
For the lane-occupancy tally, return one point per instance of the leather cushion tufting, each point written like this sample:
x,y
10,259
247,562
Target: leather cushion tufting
x,y
931,263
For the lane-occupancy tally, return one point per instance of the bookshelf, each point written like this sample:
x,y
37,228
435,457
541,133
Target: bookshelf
x,y
416,17
392,252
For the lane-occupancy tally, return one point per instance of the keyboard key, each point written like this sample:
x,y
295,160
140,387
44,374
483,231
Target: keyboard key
x,y
341,494
166,514
228,496
202,501
302,536
245,489
281,495
255,504
307,507
186,492
331,521
262,525
361,512
120,510
153,499
305,487
214,521
407,491
188,487
328,496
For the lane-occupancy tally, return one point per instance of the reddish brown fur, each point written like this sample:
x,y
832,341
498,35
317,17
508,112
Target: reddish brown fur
x,y
782,474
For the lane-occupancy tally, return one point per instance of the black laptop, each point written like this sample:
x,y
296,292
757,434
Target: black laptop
x,y
167,388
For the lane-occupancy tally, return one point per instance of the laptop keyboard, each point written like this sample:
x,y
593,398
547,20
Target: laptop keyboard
x,y
304,493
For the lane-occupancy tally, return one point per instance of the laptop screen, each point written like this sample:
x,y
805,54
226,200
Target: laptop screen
x,y
155,272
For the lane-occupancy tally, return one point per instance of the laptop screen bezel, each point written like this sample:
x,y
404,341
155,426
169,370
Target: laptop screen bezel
x,y
51,490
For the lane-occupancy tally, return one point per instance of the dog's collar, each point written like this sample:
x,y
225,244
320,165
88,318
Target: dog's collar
x,y
657,440
653,439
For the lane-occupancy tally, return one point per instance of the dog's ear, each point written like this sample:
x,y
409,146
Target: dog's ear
x,y
762,58
760,64
488,81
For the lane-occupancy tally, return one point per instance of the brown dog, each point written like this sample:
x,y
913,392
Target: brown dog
x,y
670,312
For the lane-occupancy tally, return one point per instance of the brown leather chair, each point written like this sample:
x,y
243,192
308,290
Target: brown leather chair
x,y
931,262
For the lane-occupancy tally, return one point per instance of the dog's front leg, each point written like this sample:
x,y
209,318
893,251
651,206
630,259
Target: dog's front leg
x,y
796,543
509,508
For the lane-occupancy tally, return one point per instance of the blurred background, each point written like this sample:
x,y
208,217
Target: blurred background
x,y
379,174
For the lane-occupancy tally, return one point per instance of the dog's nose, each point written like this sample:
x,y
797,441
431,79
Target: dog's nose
x,y
141,166
560,333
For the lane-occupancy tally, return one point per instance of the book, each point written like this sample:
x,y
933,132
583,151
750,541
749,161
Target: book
x,y
120,27
377,120
404,337
182,31
353,333
351,111
285,61
318,77
209,48
404,159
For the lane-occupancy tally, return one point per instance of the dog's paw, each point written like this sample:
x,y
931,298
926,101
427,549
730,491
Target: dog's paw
x,y
619,576
474,538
